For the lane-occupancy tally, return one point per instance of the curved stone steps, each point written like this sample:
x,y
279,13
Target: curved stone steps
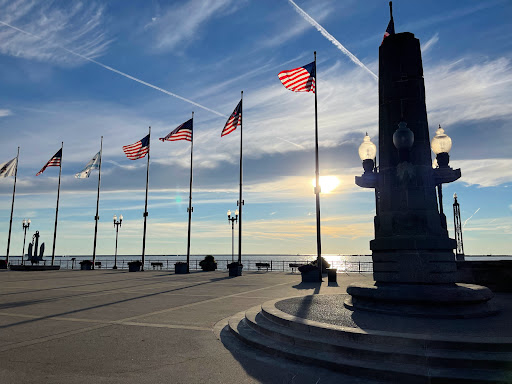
x,y
474,344
369,354
370,350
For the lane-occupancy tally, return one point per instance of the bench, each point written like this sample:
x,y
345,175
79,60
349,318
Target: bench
x,y
295,266
97,264
263,265
157,264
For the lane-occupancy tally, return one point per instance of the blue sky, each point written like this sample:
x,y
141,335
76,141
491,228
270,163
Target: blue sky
x,y
207,52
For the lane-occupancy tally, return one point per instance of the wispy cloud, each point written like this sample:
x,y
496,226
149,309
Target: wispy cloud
x,y
430,43
180,25
78,25
485,172
4,112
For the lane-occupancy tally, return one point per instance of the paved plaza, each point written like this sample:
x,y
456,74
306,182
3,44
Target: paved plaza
x,y
106,326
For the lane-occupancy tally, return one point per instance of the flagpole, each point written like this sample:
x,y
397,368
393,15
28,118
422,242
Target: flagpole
x,y
240,202
96,218
57,209
190,208
317,188
146,204
12,209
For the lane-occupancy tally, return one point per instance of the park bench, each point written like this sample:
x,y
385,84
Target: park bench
x,y
263,265
97,264
157,264
295,266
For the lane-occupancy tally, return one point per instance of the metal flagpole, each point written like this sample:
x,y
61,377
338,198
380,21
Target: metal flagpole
x,y
190,209
317,188
12,210
57,209
146,204
96,218
240,202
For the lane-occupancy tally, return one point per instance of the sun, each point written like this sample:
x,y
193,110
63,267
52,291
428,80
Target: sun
x,y
327,183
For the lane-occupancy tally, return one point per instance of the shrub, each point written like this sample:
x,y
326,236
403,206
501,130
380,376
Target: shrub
x,y
307,268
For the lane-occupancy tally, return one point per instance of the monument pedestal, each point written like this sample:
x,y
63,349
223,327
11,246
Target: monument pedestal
x,y
421,300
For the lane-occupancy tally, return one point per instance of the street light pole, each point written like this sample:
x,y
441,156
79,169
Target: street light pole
x,y
26,225
233,220
117,224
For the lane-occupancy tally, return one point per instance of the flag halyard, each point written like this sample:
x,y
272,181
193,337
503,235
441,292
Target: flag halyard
x,y
302,79
137,150
234,121
53,162
182,132
8,168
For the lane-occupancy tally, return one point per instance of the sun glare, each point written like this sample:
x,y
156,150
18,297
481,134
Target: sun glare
x,y
327,183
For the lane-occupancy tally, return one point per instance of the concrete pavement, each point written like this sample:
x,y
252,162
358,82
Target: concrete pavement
x,y
106,326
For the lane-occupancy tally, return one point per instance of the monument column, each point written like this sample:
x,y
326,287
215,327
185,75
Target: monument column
x,y
414,265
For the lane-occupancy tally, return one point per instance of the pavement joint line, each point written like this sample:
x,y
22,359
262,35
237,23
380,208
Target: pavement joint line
x,y
52,337
112,322
199,302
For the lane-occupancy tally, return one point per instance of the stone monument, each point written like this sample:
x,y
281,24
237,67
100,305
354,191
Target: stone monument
x,y
414,266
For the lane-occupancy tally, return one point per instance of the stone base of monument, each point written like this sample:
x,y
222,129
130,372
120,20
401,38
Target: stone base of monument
x,y
34,267
319,331
422,300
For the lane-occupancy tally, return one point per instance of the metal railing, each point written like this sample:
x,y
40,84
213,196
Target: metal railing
x,y
168,264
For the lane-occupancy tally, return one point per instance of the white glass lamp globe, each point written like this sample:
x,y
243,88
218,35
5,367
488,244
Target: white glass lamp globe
x,y
441,143
229,212
115,217
121,218
236,212
367,150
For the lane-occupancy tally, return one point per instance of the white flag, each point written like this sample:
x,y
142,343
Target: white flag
x,y
93,164
8,168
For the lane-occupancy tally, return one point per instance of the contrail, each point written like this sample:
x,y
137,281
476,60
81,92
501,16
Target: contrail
x,y
288,141
332,39
118,72
463,225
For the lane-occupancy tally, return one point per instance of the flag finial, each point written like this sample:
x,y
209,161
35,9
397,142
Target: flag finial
x,y
391,10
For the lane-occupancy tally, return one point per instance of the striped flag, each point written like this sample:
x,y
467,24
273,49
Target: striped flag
x,y
390,30
300,79
91,165
182,132
137,150
234,121
8,168
53,162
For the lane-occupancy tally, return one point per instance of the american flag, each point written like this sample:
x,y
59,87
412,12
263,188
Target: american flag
x,y
300,79
137,150
53,162
234,121
390,30
8,168
182,132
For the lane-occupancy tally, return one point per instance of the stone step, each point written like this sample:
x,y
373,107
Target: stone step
x,y
366,351
380,370
372,337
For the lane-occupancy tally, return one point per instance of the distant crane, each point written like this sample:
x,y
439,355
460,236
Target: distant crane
x,y
459,254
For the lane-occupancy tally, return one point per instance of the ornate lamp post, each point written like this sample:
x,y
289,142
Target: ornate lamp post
x,y
233,220
367,153
117,224
441,145
26,225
